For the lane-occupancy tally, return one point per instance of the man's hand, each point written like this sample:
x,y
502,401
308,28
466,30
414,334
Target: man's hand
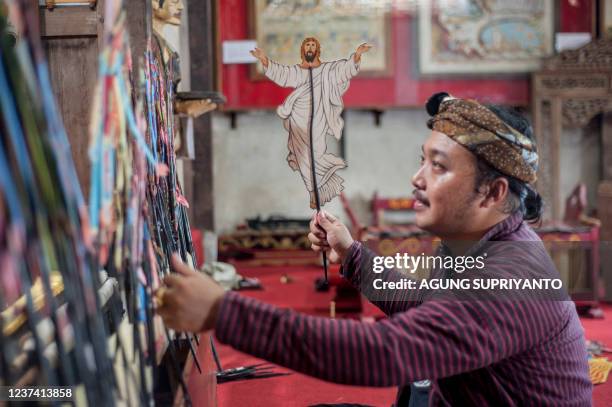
x,y
362,49
329,234
261,55
190,301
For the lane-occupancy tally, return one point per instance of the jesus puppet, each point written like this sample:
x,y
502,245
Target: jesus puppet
x,y
329,82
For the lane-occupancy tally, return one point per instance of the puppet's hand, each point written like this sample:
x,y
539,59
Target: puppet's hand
x,y
261,55
362,49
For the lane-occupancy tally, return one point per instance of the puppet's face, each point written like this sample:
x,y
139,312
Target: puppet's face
x,y
447,204
169,11
310,50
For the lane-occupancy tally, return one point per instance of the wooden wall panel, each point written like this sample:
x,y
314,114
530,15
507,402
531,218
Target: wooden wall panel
x,y
73,65
71,37
202,51
606,141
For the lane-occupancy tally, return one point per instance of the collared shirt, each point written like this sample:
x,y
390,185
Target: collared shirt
x,y
474,352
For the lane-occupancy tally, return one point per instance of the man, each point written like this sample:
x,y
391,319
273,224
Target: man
x,y
473,185
329,82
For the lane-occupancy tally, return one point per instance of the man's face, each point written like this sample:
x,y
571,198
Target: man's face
x,y
445,187
310,50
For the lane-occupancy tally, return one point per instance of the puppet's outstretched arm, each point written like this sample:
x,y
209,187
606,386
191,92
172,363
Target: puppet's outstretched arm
x,y
282,75
362,49
345,69
261,55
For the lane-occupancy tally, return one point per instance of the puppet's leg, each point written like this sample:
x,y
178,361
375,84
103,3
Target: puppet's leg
x,y
328,182
327,165
292,160
299,152
328,191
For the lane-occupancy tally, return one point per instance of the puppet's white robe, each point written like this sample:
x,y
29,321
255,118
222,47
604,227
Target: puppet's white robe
x,y
330,81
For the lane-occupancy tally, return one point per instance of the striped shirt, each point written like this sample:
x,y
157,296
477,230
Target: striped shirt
x,y
509,353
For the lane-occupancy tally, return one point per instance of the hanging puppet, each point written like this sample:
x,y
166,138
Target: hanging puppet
x,y
312,111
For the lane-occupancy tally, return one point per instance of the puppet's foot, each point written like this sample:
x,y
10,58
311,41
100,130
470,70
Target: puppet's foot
x,y
292,161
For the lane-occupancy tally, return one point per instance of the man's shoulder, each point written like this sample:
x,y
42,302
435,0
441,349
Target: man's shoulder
x,y
522,249
524,232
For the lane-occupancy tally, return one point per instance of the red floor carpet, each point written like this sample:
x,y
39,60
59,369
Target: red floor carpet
x,y
300,390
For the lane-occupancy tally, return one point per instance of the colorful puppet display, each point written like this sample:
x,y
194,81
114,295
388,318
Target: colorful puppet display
x,y
53,328
312,112
69,273
119,210
137,210
169,220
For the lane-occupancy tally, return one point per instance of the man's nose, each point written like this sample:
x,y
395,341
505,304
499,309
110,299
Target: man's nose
x,y
418,180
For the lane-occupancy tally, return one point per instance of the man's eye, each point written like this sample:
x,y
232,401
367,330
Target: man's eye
x,y
437,165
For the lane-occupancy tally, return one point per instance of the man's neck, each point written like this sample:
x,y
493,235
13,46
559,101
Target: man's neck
x,y
460,243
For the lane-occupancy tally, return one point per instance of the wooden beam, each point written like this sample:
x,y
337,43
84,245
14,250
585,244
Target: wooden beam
x,y
139,24
555,157
604,213
202,50
69,22
71,38
606,143
544,171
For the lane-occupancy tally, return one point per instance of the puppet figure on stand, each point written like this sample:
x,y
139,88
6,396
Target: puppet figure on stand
x,y
169,12
312,111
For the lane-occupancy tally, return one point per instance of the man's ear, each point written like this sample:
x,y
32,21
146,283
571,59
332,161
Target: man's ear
x,y
495,193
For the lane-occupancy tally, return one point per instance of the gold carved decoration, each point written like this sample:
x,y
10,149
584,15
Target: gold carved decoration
x,y
571,88
579,112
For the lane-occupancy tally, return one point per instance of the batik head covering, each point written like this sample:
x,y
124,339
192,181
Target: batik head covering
x,y
480,130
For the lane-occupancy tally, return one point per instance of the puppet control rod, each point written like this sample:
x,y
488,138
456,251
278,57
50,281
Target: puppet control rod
x,y
313,163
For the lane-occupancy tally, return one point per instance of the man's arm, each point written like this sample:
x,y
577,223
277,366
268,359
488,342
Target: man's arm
x,y
435,340
358,268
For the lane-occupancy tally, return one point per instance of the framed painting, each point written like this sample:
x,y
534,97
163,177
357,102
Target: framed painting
x,y
605,18
279,26
488,36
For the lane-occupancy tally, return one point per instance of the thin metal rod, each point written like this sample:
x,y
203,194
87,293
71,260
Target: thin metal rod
x,y
313,163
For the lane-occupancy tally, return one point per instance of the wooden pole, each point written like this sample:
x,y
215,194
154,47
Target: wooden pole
x,y
202,50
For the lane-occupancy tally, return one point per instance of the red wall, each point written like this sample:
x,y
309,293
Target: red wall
x,y
403,88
